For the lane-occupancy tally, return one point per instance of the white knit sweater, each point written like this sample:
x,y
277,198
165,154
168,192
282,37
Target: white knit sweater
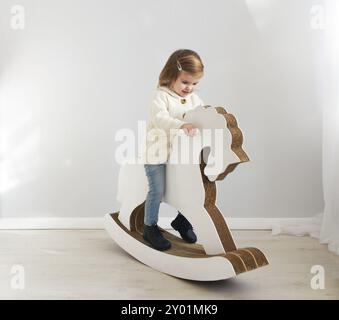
x,y
166,117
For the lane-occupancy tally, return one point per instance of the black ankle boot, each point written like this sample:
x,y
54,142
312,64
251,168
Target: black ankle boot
x,y
153,235
183,226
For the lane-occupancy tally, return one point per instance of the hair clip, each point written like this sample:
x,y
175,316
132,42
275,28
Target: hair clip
x,y
179,65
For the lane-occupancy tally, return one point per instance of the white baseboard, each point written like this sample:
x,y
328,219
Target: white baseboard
x,y
165,222
50,223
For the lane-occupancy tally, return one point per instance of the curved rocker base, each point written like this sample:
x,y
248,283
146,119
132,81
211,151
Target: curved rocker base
x,y
183,260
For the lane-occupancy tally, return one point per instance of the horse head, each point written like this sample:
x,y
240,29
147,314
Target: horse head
x,y
221,140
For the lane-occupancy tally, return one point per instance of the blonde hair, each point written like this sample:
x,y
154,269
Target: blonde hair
x,y
181,60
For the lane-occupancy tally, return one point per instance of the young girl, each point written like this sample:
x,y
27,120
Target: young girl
x,y
174,96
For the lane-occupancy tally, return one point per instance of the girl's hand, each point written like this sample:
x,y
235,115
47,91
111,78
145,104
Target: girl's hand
x,y
189,129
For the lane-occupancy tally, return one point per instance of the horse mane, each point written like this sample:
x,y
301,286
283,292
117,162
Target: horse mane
x,y
236,145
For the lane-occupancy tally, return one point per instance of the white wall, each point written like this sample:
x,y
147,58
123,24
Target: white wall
x,y
81,70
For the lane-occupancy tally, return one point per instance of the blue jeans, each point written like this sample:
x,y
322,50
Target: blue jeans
x,y
156,176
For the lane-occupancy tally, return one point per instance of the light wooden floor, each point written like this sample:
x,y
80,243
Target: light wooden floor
x,y
87,264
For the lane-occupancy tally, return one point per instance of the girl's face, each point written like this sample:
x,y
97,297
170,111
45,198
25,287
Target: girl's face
x,y
185,83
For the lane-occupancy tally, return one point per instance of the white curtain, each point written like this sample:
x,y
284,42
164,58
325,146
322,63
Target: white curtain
x,y
329,232
325,226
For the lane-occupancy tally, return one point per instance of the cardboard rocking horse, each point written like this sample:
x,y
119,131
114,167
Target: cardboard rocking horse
x,y
215,255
